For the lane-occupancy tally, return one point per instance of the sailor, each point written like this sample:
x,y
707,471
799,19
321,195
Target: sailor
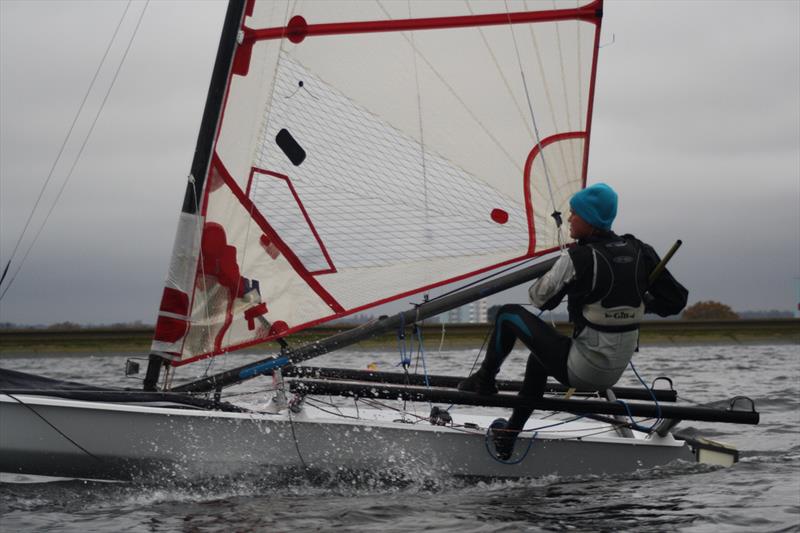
x,y
605,279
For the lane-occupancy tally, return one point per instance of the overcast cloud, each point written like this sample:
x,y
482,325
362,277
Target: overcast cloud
x,y
697,126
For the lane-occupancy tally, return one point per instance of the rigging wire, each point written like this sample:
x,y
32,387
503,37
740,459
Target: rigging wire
x,y
201,263
80,151
546,86
460,99
294,438
499,69
34,411
64,143
421,132
556,214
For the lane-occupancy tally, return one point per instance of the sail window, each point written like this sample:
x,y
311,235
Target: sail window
x,y
290,147
276,198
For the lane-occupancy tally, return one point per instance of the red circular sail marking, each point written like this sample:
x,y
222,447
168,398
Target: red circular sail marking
x,y
297,29
500,216
278,328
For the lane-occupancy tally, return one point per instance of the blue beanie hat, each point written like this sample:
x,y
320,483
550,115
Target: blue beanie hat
x,y
597,205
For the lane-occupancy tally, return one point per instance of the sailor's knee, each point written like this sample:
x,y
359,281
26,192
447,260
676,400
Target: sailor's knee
x,y
510,309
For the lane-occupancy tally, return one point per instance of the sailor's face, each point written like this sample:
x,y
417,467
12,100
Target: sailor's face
x,y
578,228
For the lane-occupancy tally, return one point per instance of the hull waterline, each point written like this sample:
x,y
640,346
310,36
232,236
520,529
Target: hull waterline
x,y
89,439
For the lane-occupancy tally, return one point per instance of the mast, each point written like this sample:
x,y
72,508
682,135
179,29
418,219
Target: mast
x,y
206,137
347,338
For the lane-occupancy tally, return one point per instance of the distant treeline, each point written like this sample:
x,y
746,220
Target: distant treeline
x,y
73,326
138,325
773,313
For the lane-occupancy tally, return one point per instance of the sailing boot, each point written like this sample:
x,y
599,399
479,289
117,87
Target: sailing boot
x,y
481,382
502,438
507,432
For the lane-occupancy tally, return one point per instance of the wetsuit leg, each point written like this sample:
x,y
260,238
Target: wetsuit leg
x,y
549,352
550,348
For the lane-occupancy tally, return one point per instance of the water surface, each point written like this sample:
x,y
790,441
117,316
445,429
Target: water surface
x,y
760,493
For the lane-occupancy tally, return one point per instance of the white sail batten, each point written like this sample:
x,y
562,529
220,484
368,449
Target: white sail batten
x,y
322,197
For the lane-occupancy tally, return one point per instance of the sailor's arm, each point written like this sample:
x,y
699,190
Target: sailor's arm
x,y
665,296
548,291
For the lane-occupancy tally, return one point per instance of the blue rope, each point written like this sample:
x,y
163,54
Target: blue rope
x,y
652,394
421,353
633,422
405,359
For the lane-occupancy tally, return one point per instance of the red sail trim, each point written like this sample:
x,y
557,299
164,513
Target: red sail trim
x,y
248,9
591,13
331,267
175,302
226,325
590,106
241,58
169,329
274,238
527,179
268,247
312,323
220,262
251,314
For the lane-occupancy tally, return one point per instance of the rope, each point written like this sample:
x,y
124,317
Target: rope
x,y
63,145
421,355
294,437
441,340
633,423
405,360
34,411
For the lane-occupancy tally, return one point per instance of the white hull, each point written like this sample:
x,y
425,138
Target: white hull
x,y
123,441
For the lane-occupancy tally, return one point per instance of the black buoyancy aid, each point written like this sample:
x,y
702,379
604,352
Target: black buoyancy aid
x,y
609,297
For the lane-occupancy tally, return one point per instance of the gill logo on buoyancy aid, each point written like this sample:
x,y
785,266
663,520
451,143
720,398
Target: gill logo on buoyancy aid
x,y
615,301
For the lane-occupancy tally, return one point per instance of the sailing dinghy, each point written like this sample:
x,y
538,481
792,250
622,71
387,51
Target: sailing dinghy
x,y
353,154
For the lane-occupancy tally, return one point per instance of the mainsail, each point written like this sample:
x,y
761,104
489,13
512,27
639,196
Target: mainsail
x,y
366,151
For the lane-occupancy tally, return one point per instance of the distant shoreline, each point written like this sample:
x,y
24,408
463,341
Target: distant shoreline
x,y
654,333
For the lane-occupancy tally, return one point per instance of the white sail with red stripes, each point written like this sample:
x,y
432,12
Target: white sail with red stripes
x,y
369,150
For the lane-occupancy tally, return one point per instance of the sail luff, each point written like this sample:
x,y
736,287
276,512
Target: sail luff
x,y
201,161
209,124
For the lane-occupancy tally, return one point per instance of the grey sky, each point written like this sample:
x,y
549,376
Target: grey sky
x,y
696,124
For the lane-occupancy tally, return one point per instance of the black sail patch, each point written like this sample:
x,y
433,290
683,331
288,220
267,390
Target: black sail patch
x,y
290,147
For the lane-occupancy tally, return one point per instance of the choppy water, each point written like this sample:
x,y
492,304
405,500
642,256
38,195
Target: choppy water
x,y
760,493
